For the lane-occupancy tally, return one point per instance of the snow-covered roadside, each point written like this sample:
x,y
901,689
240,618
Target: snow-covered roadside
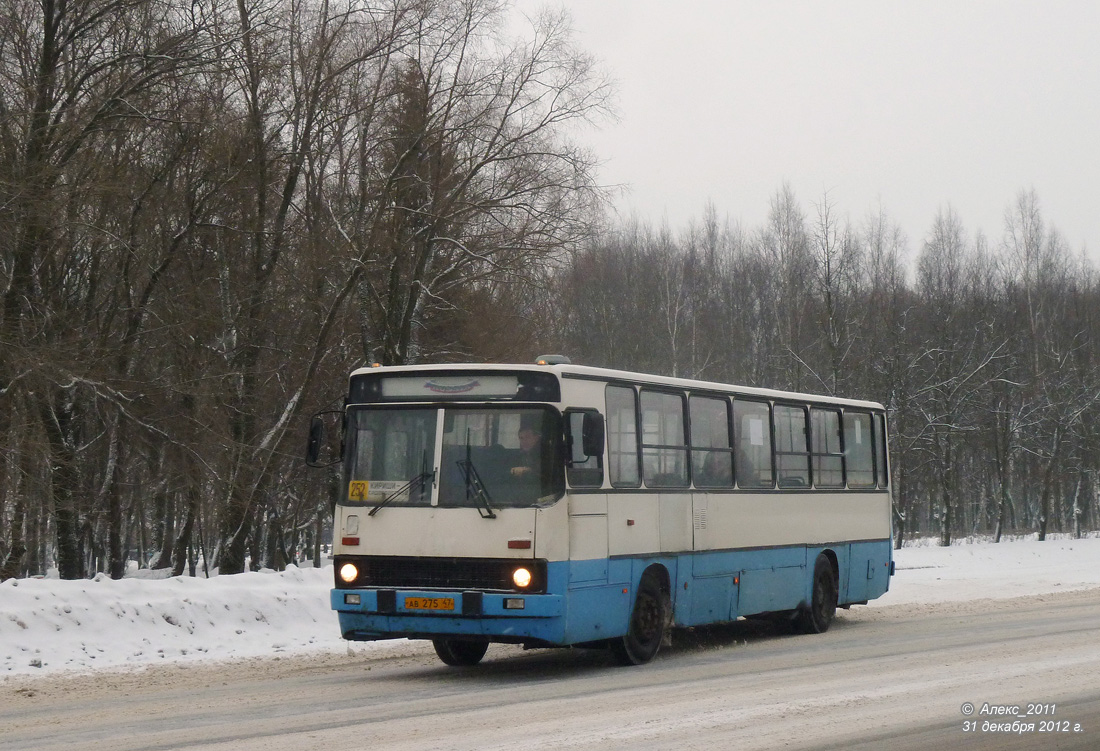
x,y
52,626
979,569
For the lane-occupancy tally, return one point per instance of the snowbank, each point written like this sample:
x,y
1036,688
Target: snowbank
x,y
49,625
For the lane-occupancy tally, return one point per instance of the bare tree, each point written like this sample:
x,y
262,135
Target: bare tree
x,y
785,246
477,178
889,316
837,257
73,75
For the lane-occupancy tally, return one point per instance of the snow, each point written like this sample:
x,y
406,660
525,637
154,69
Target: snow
x,y
54,626
979,569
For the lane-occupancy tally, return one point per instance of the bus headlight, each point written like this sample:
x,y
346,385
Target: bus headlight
x,y
349,573
521,577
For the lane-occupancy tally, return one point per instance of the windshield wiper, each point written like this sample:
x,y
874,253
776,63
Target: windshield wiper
x,y
416,482
476,488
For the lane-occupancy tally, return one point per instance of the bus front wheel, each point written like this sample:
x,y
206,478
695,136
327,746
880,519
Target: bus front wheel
x,y
816,618
459,652
647,625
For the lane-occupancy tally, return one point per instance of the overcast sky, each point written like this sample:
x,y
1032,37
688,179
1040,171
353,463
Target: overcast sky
x,y
914,105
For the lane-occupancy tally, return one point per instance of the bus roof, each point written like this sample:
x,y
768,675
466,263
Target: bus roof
x,y
585,372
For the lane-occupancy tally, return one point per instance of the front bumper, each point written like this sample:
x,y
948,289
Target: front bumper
x,y
381,614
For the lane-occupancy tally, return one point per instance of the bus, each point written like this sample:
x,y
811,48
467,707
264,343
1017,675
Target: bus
x,y
555,504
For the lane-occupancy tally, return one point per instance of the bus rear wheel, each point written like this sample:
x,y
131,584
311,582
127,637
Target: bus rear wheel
x,y
460,652
816,618
647,625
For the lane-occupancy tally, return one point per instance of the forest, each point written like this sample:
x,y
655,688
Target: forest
x,y
211,212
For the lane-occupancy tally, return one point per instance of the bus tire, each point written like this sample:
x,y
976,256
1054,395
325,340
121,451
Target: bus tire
x,y
816,618
648,622
460,652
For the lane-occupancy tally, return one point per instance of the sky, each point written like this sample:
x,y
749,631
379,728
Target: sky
x,y
907,106
50,626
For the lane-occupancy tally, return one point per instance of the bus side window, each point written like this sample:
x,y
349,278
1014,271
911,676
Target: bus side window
x,y
711,455
827,457
622,437
664,440
792,457
880,451
858,450
753,438
583,471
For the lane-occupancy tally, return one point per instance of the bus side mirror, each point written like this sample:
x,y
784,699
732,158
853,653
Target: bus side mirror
x,y
592,434
319,449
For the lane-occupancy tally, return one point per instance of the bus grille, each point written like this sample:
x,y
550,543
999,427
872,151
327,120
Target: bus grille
x,y
439,573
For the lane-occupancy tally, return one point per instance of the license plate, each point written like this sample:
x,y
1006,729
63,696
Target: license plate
x,y
429,603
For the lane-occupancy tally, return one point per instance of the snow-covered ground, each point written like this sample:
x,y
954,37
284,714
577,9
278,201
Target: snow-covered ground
x,y
51,626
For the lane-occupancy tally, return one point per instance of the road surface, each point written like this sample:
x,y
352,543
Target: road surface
x,y
893,677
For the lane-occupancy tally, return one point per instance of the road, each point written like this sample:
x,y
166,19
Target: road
x,y
882,677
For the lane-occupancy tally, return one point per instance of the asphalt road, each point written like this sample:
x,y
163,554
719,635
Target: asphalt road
x,y
882,677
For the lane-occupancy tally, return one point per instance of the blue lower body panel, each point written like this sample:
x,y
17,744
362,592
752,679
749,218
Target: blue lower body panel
x,y
590,602
868,571
723,585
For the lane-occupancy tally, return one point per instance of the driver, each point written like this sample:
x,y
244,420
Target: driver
x,y
530,449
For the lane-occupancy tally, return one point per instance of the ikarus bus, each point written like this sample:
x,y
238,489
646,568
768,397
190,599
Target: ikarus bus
x,y
554,504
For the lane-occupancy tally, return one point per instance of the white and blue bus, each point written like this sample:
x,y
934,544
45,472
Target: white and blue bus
x,y
556,504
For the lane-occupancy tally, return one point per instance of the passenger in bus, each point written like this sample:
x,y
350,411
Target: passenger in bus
x,y
747,476
717,471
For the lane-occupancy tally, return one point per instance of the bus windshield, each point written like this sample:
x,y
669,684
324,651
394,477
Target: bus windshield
x,y
488,457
